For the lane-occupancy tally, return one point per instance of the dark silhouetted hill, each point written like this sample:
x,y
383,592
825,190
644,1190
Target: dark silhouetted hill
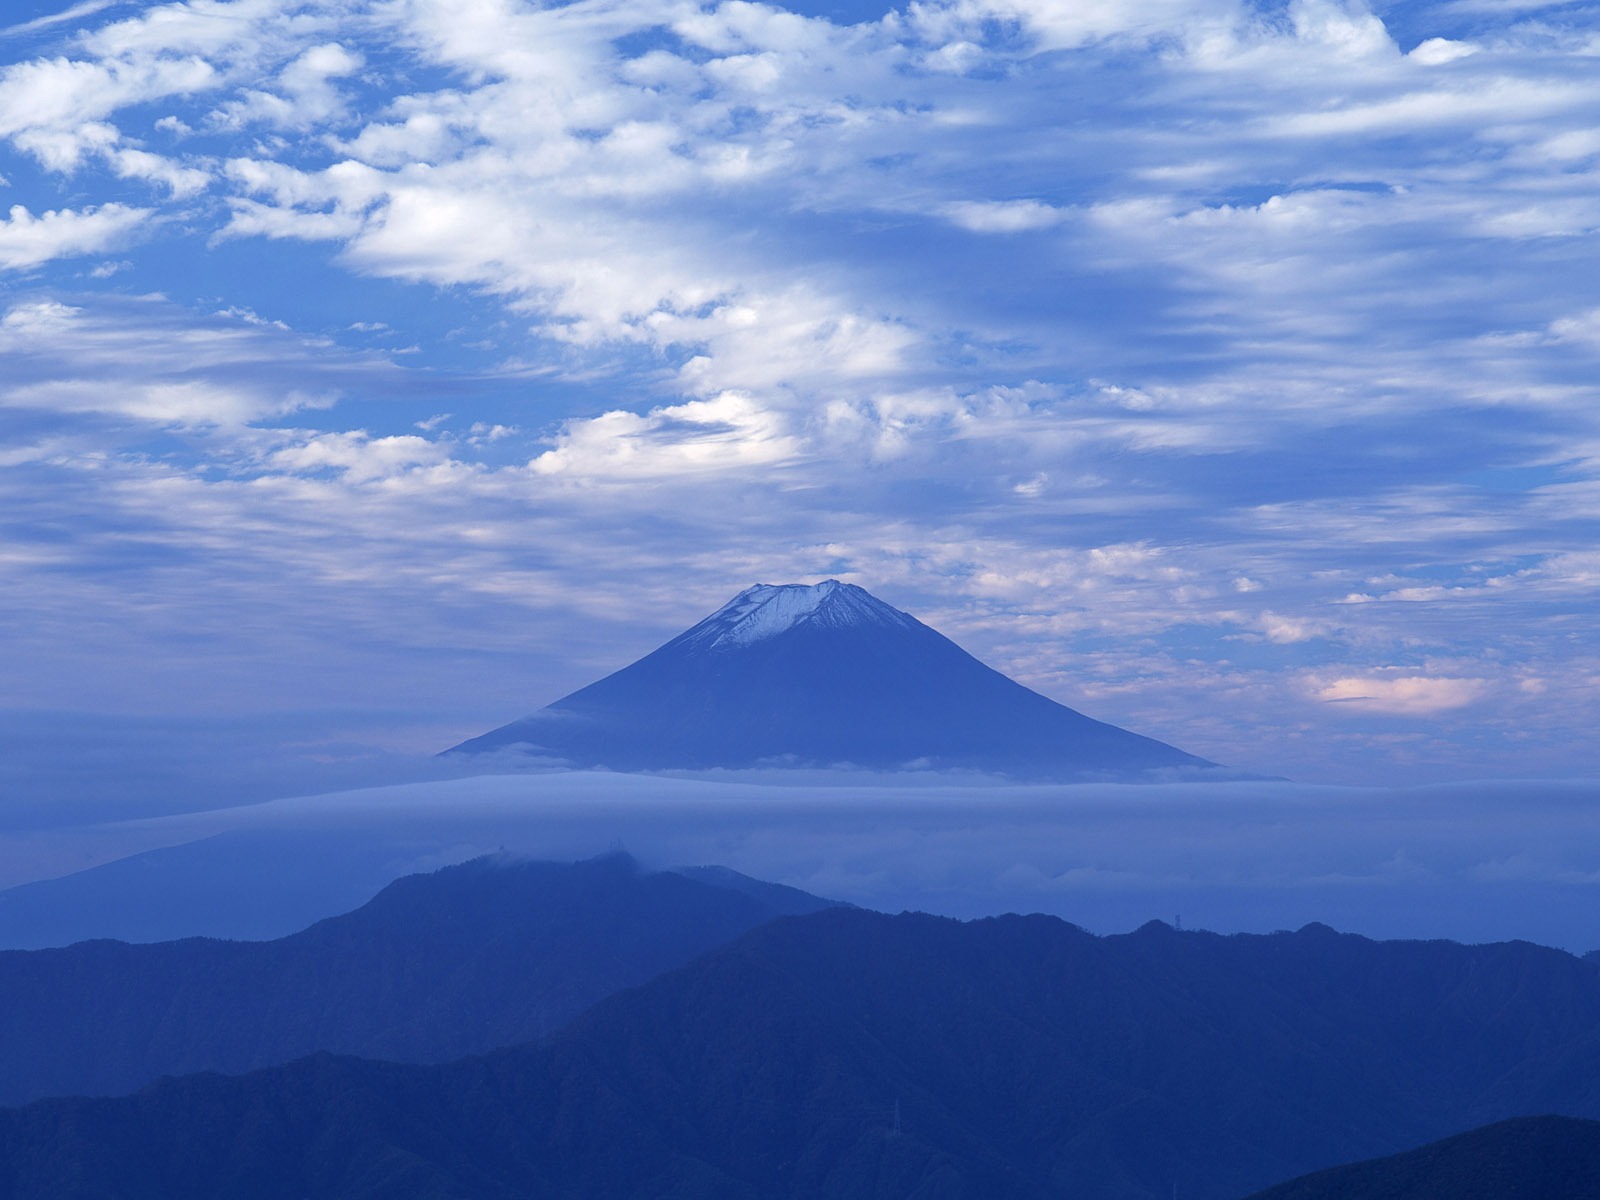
x,y
487,954
821,676
1527,1158
848,1054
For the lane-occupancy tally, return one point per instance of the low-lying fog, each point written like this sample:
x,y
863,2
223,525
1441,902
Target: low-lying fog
x,y
1472,862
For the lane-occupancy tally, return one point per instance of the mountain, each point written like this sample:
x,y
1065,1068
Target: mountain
x,y
253,884
1530,1158
489,953
847,1054
824,675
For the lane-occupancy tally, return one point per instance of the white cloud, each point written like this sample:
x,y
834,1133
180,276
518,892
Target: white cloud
x,y
1348,27
1493,100
727,431
1288,630
148,362
304,95
86,8
180,181
358,456
1436,51
1405,695
1582,327
1002,216
55,108
1060,26
239,37
167,402
28,241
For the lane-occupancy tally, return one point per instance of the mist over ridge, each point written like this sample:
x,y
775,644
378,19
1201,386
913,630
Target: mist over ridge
x,y
1474,862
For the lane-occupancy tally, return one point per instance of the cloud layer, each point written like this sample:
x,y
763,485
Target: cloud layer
x,y
1472,862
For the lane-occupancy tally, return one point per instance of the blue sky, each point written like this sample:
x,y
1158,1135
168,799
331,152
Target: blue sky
x,y
373,372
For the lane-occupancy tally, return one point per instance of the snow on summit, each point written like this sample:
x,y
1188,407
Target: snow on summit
x,y
767,610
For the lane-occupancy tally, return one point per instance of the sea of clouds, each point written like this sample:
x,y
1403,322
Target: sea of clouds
x,y
1472,862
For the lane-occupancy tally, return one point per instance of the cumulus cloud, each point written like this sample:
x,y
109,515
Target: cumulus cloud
x,y
729,430
54,108
27,240
357,456
305,93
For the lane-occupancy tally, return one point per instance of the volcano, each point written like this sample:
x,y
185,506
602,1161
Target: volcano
x,y
824,675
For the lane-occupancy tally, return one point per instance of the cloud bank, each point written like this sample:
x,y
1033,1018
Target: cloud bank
x,y
1473,862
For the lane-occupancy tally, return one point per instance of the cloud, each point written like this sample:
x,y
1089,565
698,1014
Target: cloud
x,y
86,8
148,361
28,241
1477,862
1287,630
1406,695
729,430
54,108
357,456
1436,51
180,181
305,92
1056,27
1583,327
1503,100
1002,216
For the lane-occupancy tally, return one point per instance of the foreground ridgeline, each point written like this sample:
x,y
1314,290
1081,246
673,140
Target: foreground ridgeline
x,y
1529,1158
826,675
844,1054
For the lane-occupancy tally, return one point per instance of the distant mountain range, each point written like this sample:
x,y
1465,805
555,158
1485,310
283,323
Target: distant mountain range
x,y
487,954
826,675
845,1053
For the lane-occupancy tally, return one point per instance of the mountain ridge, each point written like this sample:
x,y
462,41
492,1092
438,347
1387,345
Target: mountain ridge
x,y
860,1056
1544,1157
469,958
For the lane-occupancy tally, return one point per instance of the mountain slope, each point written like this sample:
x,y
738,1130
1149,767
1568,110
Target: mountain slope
x,y
823,675
1529,1158
486,954
850,1054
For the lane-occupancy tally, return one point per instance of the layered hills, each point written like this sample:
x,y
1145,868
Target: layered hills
x,y
847,1054
486,954
825,675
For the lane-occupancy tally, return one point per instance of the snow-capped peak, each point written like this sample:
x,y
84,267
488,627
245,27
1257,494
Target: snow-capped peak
x,y
767,610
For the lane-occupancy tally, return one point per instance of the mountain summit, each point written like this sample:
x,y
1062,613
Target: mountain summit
x,y
765,611
823,675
